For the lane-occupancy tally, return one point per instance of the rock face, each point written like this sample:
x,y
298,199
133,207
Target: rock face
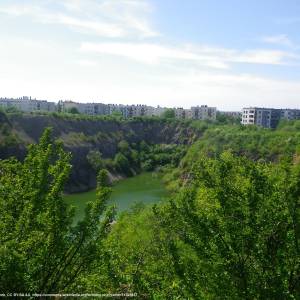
x,y
82,135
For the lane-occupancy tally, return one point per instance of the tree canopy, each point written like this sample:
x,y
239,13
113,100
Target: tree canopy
x,y
169,114
41,250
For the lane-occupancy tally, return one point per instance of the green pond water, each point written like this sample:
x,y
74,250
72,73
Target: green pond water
x,y
146,188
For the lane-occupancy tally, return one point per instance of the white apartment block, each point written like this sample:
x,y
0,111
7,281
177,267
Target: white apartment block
x,y
248,116
26,104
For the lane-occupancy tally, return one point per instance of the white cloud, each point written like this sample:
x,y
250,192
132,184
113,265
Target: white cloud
x,y
151,53
18,10
133,13
280,39
107,18
87,63
268,57
219,58
96,27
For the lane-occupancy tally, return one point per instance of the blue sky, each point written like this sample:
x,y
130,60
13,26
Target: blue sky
x,y
227,54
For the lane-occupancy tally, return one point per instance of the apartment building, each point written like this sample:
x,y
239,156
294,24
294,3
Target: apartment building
x,y
203,112
27,104
136,110
290,114
259,116
268,117
233,114
68,105
86,108
158,111
180,113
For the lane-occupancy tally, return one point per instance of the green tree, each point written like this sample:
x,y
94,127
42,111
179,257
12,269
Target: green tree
x,y
122,164
117,114
136,259
73,110
135,157
40,248
226,119
143,147
103,179
12,109
240,221
169,114
94,158
124,148
148,165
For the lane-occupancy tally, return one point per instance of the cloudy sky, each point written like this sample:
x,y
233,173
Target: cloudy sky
x,y
224,53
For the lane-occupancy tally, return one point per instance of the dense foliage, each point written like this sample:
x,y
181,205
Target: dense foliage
x,y
136,157
236,234
169,113
233,232
254,142
41,250
230,230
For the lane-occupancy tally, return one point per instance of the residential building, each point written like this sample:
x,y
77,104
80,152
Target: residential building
x,y
188,113
149,111
158,111
180,113
290,114
203,112
265,117
116,108
86,108
68,105
234,114
136,110
27,104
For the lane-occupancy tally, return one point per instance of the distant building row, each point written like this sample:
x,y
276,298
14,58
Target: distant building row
x,y
265,117
27,104
202,112
107,109
268,117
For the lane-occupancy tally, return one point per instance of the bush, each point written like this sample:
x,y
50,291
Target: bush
x,y
94,158
121,164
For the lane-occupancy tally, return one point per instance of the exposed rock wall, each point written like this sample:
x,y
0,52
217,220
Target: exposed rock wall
x,y
81,136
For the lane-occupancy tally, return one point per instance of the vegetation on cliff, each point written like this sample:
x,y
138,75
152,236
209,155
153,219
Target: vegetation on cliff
x,y
137,157
253,142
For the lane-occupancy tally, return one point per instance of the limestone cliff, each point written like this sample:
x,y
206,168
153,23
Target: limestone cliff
x,y
80,135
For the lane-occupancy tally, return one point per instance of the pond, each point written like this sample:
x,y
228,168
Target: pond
x,y
146,188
